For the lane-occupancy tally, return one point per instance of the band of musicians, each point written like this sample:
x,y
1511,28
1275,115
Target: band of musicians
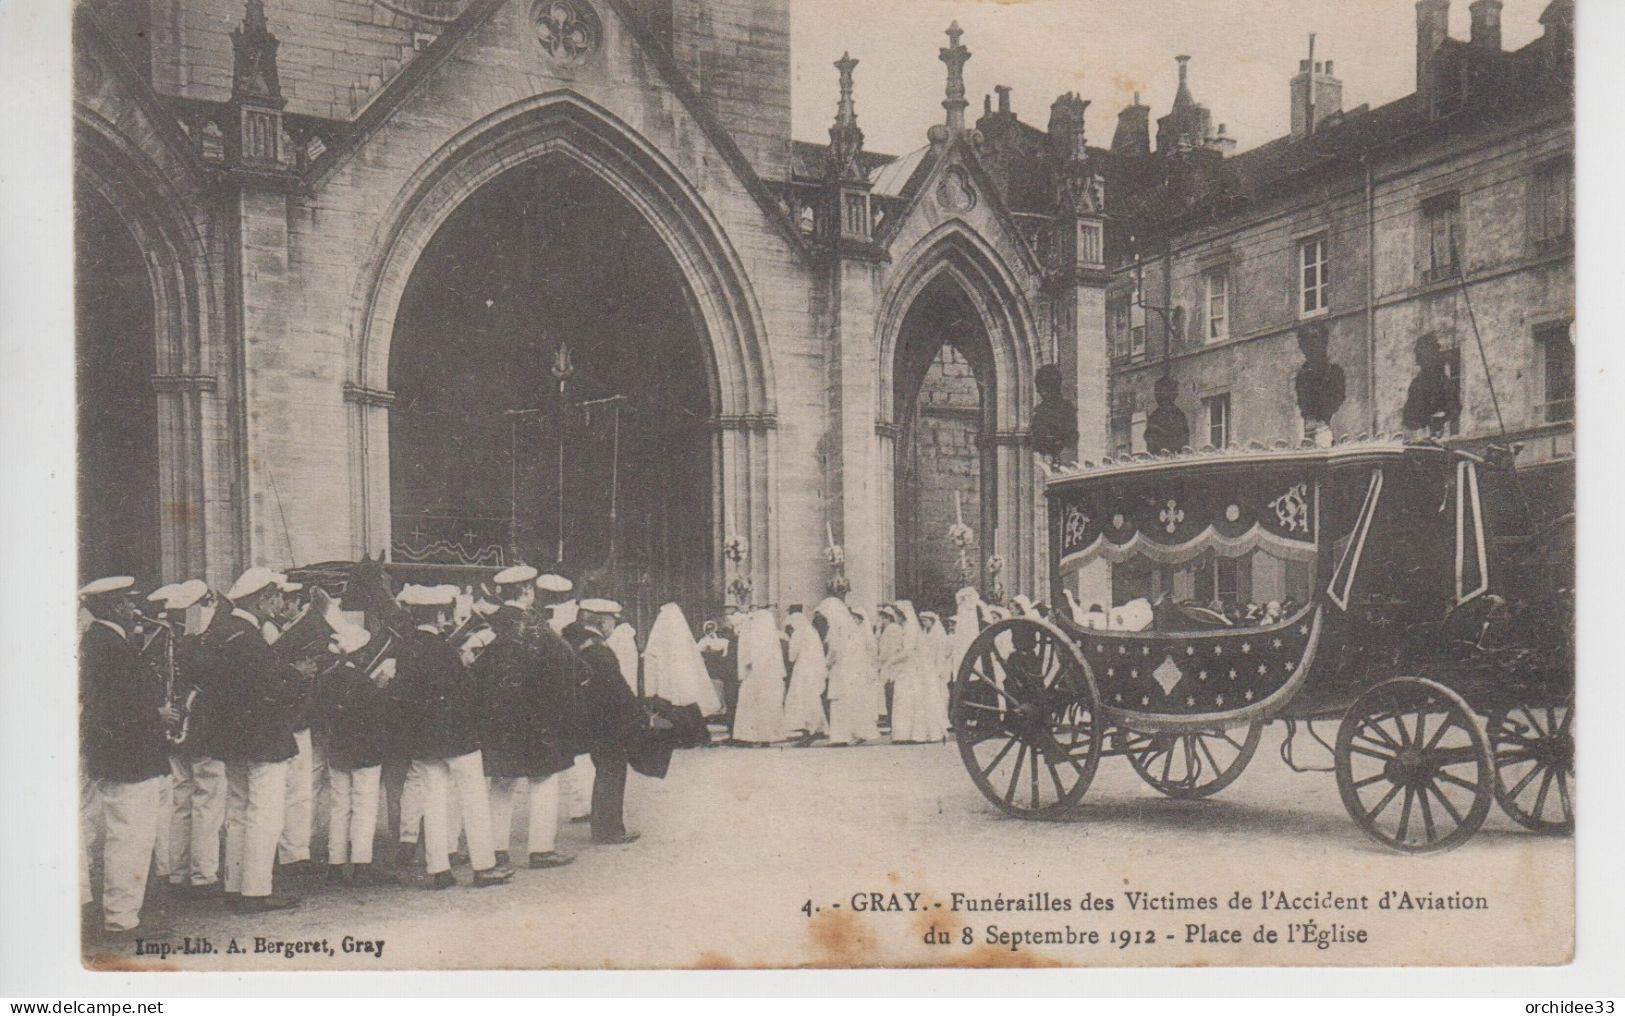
x,y
219,729
212,726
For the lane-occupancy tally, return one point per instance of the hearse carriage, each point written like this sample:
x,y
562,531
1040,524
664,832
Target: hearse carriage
x,y
1410,592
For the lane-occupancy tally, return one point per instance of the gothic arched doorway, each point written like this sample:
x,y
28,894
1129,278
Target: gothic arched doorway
x,y
115,354
612,480
943,391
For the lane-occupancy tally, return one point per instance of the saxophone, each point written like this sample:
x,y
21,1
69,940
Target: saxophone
x,y
175,732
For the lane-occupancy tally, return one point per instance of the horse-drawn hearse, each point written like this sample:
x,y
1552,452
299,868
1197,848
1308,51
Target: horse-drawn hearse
x,y
1410,592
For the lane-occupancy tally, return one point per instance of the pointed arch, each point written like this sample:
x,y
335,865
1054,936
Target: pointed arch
x,y
565,124
198,525
955,251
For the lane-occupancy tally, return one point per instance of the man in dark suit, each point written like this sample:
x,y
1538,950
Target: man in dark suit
x,y
439,716
527,678
612,717
254,734
123,757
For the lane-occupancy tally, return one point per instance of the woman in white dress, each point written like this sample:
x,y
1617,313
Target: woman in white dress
x,y
917,715
939,654
967,623
673,668
851,697
868,660
804,703
759,718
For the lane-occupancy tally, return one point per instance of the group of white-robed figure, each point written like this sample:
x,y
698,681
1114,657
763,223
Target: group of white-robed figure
x,y
838,655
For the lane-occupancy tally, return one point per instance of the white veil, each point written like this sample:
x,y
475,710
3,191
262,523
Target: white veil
x,y
673,668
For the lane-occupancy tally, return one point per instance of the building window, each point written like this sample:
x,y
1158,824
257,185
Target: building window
x,y
1136,431
1136,321
1314,289
1554,346
1123,407
1552,205
1091,243
1216,411
1441,238
1216,304
1120,329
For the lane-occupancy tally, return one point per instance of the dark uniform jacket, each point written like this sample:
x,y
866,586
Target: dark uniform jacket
x,y
435,703
528,680
120,733
196,671
613,717
350,716
257,695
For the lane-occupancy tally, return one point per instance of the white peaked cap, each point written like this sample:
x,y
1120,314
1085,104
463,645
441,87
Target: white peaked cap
x,y
349,639
252,581
184,594
554,584
163,593
514,575
110,584
600,606
283,584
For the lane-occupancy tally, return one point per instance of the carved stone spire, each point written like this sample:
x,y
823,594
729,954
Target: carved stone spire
x,y
955,55
845,137
253,71
256,95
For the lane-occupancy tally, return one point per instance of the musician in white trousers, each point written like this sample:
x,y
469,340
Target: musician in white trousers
x,y
259,693
293,846
439,706
349,715
122,721
189,829
526,675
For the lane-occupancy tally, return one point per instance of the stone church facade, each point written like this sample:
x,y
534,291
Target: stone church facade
x,y
283,166
478,280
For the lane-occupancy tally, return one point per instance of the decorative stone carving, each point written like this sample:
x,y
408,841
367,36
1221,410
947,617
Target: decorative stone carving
x,y
955,190
568,30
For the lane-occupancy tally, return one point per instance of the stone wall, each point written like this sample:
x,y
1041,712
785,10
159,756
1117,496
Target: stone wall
x,y
947,464
334,54
736,53
1513,288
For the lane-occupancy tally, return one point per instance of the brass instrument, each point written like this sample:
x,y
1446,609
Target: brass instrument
x,y
175,731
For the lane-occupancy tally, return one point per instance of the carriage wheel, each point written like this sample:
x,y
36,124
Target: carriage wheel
x,y
1533,749
1191,766
1025,718
1413,767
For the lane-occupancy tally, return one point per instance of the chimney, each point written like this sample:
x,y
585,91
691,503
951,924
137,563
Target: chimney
x,y
1486,16
1327,98
1003,92
1133,135
1557,42
1432,28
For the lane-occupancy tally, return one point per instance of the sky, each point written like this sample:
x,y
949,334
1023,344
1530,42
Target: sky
x,y
1243,53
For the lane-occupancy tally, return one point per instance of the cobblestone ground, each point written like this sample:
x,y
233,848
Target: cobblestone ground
x,y
773,856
